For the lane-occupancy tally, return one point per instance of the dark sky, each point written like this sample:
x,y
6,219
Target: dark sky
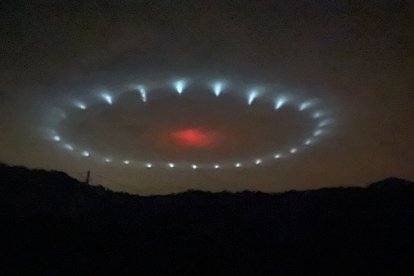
x,y
355,56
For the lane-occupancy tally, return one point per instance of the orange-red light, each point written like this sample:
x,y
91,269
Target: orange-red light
x,y
196,137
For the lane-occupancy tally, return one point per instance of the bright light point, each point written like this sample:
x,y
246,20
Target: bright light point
x,y
85,153
237,165
148,165
216,166
80,105
194,166
179,86
277,156
68,147
107,98
317,115
107,160
308,142
305,105
56,138
280,102
218,87
252,95
143,93
318,132
293,150
258,161
126,162
171,165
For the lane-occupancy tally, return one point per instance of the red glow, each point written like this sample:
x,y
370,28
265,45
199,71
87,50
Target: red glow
x,y
196,137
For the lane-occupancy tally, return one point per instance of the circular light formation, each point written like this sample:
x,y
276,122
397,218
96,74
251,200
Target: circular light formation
x,y
194,137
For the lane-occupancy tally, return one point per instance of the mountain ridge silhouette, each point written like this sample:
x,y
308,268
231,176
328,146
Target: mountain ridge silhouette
x,y
54,224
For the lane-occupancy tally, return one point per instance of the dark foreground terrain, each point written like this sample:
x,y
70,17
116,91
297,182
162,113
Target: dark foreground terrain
x,y
54,225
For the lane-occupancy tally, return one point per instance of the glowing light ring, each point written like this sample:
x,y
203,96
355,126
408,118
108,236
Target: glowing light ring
x,y
323,122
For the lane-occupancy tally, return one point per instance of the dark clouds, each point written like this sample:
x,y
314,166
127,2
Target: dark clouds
x,y
357,56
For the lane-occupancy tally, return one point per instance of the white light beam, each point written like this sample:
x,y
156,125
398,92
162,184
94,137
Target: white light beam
x,y
280,102
80,105
69,147
218,87
179,86
252,95
318,132
107,98
317,115
143,93
305,105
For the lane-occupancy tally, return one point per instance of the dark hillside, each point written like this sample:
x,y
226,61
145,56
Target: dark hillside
x,y
53,224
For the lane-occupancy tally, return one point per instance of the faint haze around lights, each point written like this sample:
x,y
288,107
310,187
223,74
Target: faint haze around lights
x,y
193,122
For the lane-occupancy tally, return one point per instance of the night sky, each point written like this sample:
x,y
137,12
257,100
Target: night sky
x,y
354,57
